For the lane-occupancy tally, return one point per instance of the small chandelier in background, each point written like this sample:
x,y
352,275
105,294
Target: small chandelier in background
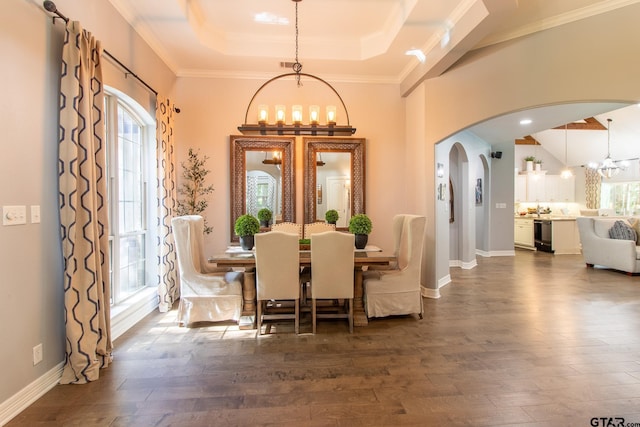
x,y
276,158
608,168
297,125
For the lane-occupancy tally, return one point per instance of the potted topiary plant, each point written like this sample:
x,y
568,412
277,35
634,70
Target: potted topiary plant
x,y
331,216
361,226
245,227
264,216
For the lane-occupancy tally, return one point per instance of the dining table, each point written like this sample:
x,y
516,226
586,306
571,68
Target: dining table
x,y
236,257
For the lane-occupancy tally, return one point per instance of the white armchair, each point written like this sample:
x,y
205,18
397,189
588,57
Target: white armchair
x,y
397,292
207,294
599,249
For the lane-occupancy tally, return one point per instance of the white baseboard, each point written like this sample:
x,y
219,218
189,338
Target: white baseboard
x,y
444,281
469,265
17,403
489,254
430,293
503,253
462,264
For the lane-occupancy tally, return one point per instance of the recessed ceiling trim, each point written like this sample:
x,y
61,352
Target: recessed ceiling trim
x,y
223,74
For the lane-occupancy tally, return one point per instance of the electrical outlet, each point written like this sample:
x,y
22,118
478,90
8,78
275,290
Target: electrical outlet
x,y
37,354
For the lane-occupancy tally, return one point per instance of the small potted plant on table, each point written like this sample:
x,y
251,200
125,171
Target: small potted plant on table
x,y
264,216
361,226
246,227
331,216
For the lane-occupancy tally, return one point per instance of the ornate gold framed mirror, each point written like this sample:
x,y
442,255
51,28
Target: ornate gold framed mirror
x,y
334,178
262,176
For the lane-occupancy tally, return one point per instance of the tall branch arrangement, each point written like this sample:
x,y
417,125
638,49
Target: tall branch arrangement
x,y
193,188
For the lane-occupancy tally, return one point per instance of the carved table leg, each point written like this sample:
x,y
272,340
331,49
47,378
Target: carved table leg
x,y
359,315
248,317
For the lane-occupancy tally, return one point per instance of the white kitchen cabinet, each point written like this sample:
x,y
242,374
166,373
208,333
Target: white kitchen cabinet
x,y
542,188
523,233
520,188
558,189
536,188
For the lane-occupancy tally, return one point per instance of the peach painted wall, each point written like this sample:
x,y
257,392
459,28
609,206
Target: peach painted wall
x,y
213,108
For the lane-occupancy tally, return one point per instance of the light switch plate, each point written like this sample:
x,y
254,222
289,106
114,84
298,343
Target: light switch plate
x,y
14,215
35,214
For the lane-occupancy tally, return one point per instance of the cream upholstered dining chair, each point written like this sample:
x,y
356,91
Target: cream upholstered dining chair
x,y
207,294
332,262
309,230
396,228
288,227
397,292
317,227
277,276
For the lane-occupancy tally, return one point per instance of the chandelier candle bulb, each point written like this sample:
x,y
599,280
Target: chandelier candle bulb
x,y
263,114
296,114
314,114
281,111
331,114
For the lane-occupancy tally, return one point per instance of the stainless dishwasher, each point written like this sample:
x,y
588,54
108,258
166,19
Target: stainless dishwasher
x,y
542,235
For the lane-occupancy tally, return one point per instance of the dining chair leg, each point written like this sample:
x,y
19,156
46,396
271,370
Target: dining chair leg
x,y
350,315
313,314
259,317
297,319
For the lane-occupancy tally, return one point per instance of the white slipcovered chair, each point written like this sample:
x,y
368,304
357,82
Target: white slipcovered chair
x,y
277,276
397,292
207,294
317,227
397,225
332,263
288,227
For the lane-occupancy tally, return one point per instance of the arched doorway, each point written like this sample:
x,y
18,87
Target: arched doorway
x,y
462,242
482,206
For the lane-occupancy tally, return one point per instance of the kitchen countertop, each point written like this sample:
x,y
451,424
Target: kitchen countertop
x,y
546,217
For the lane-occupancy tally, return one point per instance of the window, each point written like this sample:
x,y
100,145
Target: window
x,y
624,197
130,155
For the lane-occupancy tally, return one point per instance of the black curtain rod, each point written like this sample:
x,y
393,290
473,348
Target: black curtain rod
x,y
51,7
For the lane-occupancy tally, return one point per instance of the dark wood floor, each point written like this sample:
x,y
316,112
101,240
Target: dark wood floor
x,y
531,340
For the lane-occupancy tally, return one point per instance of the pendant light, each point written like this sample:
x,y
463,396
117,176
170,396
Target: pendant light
x,y
566,172
298,125
608,168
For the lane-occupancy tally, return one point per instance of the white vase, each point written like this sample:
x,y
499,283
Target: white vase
x,y
538,167
529,165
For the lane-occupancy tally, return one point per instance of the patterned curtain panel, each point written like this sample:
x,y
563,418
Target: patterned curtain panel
x,y
83,208
168,289
592,188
